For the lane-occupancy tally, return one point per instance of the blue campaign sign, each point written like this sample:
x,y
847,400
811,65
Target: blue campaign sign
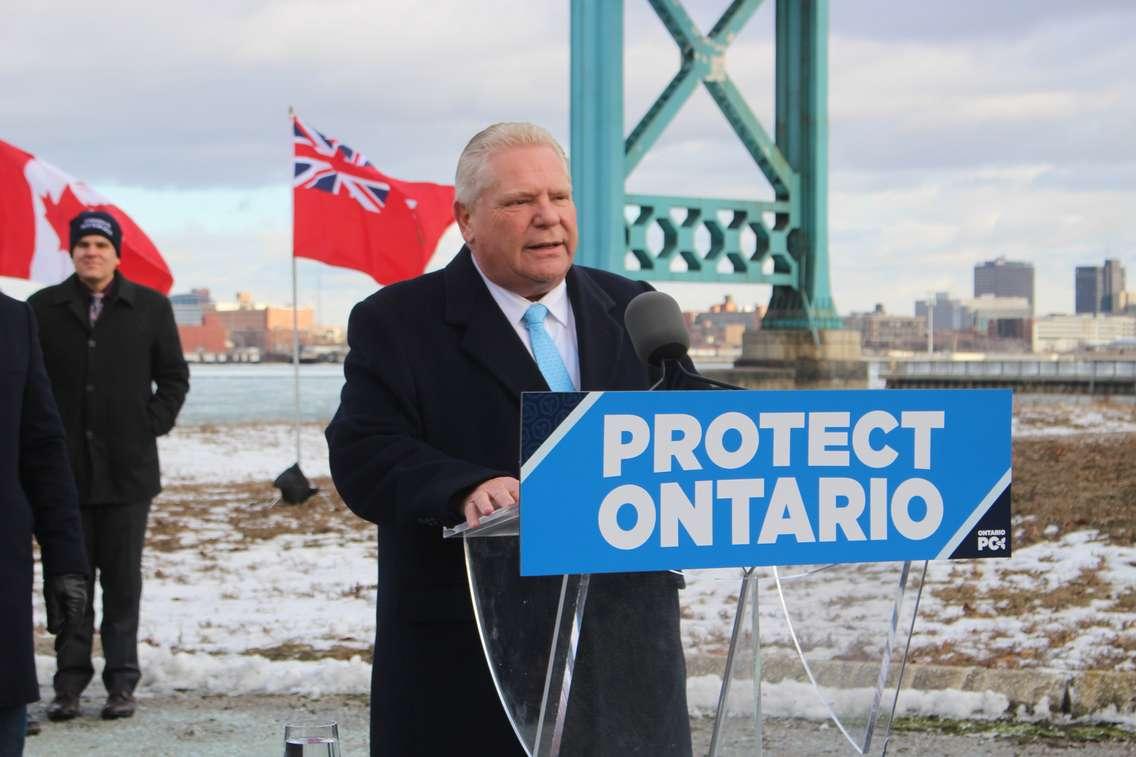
x,y
636,481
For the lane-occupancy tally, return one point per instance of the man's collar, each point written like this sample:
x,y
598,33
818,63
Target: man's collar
x,y
109,292
120,288
514,305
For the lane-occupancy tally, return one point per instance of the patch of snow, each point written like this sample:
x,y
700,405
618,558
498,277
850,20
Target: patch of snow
x,y
245,452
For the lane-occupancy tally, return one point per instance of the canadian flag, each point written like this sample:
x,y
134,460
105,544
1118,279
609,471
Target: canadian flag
x,y
37,203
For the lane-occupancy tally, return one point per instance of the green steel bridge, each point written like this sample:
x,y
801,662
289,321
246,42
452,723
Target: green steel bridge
x,y
787,243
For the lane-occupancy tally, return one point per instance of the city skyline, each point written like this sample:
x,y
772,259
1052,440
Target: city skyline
x,y
958,134
231,299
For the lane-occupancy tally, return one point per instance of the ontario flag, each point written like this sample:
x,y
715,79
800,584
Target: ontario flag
x,y
37,203
347,213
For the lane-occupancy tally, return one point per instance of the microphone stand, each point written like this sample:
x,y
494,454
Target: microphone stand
x,y
674,369
692,375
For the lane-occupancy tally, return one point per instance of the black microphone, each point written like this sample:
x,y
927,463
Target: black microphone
x,y
656,327
658,333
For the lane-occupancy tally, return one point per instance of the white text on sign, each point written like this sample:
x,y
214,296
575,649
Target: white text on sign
x,y
732,440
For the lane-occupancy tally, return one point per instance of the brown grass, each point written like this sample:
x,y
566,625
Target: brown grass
x,y
1004,600
230,515
1071,483
296,651
1075,483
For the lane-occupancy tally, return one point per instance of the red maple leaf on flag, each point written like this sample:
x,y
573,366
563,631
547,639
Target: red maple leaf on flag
x,y
59,213
29,206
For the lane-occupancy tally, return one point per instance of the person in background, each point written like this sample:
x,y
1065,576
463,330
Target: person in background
x,y
427,435
112,352
37,495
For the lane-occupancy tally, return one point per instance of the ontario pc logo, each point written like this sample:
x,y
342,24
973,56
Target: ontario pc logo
x,y
992,540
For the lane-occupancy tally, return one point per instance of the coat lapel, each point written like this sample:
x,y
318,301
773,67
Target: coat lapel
x,y
71,294
125,289
489,340
599,336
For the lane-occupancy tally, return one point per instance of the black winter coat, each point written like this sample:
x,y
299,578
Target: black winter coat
x,y
37,494
119,386
431,408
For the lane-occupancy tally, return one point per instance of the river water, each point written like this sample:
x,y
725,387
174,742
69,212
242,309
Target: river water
x,y
238,393
244,392
262,392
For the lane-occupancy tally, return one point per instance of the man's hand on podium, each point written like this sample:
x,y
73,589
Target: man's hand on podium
x,y
494,494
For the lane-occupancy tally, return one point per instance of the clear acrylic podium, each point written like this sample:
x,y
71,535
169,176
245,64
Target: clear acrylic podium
x,y
824,643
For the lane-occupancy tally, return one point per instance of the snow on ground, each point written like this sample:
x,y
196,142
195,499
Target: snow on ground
x,y
291,590
1058,415
240,452
1053,632
1029,621
236,602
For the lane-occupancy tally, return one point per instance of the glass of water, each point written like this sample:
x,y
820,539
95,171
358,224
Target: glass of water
x,y
311,740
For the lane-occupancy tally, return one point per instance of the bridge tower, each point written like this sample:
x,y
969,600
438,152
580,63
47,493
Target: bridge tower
x,y
790,250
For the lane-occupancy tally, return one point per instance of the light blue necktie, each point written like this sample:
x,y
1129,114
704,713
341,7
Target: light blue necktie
x,y
544,350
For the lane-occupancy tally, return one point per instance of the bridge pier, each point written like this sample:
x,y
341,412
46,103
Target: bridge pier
x,y
792,359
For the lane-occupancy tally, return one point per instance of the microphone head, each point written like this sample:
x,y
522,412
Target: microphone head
x,y
656,327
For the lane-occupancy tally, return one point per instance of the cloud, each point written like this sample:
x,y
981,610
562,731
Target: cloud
x,y
966,19
171,95
958,131
907,241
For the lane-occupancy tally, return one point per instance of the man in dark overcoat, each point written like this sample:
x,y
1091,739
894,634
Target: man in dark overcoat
x,y
37,495
112,351
427,435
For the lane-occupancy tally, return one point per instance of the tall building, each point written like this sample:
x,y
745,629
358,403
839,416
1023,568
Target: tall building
x,y
1113,296
1088,282
1101,289
947,314
1004,278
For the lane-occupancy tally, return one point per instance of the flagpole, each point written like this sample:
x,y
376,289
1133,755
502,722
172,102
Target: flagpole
x,y
295,321
295,358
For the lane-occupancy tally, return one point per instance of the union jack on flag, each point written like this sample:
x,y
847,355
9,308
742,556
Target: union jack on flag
x,y
346,212
328,165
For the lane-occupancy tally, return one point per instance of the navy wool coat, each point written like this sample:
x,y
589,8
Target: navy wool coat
x,y
37,495
429,410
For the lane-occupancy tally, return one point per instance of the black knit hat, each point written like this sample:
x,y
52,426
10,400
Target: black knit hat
x,y
96,222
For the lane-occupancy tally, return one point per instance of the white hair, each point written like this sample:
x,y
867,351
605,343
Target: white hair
x,y
471,179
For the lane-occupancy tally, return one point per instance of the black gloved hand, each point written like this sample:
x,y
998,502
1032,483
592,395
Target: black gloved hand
x,y
66,600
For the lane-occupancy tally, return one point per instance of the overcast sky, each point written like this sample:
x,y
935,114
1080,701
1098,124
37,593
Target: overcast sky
x,y
959,131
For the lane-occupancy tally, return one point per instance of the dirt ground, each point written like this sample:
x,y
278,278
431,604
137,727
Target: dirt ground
x,y
1075,483
196,726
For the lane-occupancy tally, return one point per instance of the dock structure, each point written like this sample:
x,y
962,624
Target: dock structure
x,y
1106,376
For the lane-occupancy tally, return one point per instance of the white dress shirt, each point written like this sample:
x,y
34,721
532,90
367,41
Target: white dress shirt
x,y
560,323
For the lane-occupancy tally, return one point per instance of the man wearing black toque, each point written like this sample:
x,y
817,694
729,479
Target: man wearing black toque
x,y
107,343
